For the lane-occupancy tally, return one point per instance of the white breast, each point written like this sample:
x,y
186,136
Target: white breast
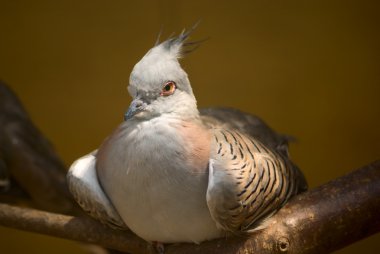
x,y
142,168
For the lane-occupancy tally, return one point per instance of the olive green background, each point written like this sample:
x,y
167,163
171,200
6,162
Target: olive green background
x,y
309,68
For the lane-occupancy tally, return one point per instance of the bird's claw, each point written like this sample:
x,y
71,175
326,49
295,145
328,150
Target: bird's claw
x,y
159,247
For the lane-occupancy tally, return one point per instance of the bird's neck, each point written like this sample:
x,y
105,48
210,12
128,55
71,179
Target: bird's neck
x,y
172,137
186,110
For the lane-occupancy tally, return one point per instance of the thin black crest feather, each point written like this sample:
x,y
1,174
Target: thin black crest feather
x,y
159,36
180,40
185,34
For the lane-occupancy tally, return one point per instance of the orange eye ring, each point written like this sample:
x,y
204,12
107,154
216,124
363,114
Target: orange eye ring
x,y
168,88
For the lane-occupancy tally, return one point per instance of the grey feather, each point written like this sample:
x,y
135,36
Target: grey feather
x,y
84,186
158,37
249,124
247,156
247,181
254,127
180,45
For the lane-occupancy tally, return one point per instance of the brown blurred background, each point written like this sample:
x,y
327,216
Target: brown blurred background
x,y
309,68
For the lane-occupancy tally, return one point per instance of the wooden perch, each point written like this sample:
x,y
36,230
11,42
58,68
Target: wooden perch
x,y
319,221
83,229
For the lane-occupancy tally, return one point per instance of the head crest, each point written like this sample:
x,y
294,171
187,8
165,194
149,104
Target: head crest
x,y
160,64
178,45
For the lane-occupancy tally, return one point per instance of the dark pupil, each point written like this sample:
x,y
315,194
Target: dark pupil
x,y
167,88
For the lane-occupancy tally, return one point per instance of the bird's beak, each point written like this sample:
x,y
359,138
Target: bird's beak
x,y
137,105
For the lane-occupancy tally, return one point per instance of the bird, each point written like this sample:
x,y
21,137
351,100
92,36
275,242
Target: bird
x,y
173,173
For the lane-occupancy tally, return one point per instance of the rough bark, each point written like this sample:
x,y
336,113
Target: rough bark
x,y
318,221
321,220
83,229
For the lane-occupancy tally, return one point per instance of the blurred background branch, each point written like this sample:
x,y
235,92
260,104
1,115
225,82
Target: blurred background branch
x,y
30,168
319,221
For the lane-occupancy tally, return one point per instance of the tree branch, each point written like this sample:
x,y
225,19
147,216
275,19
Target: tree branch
x,y
319,221
83,229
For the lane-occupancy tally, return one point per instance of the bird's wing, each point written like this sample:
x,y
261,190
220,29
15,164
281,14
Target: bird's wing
x,y
83,184
247,181
251,125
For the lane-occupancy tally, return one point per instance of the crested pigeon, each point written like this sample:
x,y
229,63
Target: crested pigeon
x,y
173,173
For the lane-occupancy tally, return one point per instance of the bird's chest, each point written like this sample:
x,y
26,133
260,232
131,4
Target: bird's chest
x,y
143,156
157,148
155,183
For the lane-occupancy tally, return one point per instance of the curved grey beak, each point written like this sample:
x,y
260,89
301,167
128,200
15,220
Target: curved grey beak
x,y
137,105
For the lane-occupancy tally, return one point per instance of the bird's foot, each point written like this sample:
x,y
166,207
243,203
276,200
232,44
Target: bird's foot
x,y
159,247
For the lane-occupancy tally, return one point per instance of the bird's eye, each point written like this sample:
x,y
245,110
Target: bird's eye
x,y
168,88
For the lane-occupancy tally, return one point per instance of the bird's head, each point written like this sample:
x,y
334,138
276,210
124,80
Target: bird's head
x,y
158,84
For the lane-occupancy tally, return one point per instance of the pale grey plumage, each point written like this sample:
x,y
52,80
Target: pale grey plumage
x,y
83,184
174,175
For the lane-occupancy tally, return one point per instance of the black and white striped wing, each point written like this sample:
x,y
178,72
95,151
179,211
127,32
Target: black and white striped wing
x,y
84,186
247,181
